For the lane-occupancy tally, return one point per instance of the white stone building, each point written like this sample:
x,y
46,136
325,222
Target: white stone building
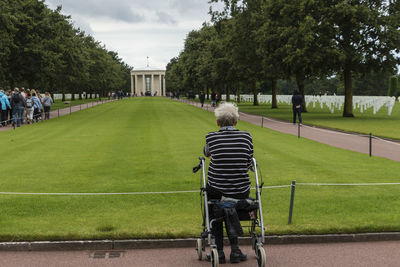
x,y
148,81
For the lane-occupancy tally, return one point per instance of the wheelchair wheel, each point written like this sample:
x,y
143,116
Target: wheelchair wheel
x,y
214,258
199,249
261,257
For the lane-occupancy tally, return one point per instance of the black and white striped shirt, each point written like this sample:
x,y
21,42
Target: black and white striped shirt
x,y
231,154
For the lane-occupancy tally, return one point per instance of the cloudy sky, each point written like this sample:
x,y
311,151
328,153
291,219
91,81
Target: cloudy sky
x,y
138,28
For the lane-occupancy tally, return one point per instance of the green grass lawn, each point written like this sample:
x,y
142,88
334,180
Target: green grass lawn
x,y
151,145
58,104
379,124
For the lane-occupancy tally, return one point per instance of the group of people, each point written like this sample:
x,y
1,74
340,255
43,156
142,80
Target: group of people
x,y
23,106
215,98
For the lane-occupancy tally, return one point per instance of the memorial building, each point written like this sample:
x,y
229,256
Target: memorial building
x,y
148,81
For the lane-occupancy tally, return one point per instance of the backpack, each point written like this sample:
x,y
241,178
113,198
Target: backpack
x,y
29,103
15,98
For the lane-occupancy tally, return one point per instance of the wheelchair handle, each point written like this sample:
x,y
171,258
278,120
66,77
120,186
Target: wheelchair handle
x,y
198,167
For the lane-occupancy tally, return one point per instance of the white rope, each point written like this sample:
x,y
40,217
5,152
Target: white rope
x,y
98,194
184,192
360,184
387,141
113,194
269,119
276,186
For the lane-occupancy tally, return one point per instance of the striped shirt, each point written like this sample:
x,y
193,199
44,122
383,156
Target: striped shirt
x,y
231,154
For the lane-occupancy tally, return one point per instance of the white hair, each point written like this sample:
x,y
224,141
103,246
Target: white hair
x,y
227,114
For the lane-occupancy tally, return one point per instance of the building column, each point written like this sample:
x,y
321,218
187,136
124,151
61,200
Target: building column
x,y
163,81
161,91
152,84
144,83
136,89
132,89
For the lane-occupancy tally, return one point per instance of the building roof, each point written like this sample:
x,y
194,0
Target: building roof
x,y
148,68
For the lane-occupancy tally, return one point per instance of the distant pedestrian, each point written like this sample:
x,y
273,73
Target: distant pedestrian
x,y
202,97
37,108
47,102
213,99
5,105
29,108
297,101
9,109
18,107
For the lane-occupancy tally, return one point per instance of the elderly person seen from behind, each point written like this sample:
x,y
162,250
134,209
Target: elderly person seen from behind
x,y
230,152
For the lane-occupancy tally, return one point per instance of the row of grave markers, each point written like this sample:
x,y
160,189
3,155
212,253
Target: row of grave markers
x,y
332,102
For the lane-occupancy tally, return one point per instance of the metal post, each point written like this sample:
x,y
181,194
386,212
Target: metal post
x,y
262,122
293,186
298,131
370,144
58,111
70,111
80,106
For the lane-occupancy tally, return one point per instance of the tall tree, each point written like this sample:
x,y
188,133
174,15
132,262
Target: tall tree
x,y
366,35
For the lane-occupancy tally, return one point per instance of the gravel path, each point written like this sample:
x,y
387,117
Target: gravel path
x,y
355,142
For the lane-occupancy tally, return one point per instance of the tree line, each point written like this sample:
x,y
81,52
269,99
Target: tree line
x,y
40,48
266,45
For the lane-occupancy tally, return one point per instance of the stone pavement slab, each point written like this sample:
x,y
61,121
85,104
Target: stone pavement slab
x,y
365,254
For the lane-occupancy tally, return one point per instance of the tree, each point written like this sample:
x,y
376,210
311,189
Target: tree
x,y
244,21
366,38
40,48
393,86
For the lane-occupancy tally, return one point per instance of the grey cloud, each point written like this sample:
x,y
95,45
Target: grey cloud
x,y
186,7
165,18
83,25
117,10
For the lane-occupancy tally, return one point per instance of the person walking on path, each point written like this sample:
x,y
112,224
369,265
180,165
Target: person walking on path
x,y
5,105
213,99
297,100
47,102
29,108
231,153
202,97
37,107
18,107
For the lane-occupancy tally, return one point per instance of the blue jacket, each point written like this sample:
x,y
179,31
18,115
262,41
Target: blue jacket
x,y
36,102
4,101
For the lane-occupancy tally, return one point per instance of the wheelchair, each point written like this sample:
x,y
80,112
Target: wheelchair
x,y
254,217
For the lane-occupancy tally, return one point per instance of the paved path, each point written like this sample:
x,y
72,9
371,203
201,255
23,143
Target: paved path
x,y
359,143
382,254
64,111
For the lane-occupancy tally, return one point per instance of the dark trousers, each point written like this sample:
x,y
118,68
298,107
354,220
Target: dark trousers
x,y
217,226
36,114
9,115
17,115
4,117
46,112
297,111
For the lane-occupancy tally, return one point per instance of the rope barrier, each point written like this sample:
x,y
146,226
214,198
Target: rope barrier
x,y
98,194
360,184
42,114
387,141
186,191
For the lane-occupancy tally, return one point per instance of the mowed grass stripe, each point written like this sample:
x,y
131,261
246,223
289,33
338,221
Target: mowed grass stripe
x,y
151,144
